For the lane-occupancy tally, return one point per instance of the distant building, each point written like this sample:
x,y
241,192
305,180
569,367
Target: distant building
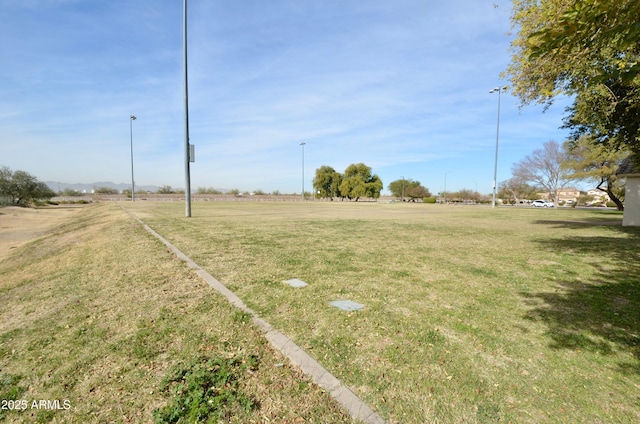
x,y
599,196
568,194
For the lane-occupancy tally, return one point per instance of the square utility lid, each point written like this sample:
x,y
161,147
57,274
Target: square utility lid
x,y
347,305
296,283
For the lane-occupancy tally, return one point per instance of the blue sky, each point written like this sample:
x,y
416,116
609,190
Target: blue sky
x,y
402,86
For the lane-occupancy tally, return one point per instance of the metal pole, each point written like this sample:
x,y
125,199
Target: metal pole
x,y
187,170
302,144
445,186
133,184
495,167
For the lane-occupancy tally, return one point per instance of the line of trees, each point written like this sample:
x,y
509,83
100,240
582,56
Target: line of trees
x,y
553,167
357,181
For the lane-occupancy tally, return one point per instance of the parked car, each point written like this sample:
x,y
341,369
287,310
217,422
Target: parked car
x,y
542,204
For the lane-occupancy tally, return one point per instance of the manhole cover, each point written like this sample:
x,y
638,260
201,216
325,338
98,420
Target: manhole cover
x,y
347,305
296,283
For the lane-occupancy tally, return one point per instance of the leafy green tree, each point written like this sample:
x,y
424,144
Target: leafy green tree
x,y
358,182
6,176
544,167
21,188
335,185
587,49
398,187
326,182
408,188
417,191
588,159
594,26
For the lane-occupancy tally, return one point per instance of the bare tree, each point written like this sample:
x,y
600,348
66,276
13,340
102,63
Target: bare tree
x,y
544,169
517,189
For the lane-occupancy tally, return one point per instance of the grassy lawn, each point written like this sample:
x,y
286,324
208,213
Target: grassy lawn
x,y
101,324
471,314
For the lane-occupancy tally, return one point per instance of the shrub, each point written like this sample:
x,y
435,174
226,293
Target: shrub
x,y
105,190
208,190
206,390
429,199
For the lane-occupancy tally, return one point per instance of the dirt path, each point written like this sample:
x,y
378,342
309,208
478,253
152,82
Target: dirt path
x,y
21,225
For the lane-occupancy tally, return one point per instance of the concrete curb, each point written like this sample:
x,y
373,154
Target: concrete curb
x,y
320,375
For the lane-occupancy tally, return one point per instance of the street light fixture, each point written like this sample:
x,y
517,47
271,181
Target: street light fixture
x,y
133,185
495,167
302,144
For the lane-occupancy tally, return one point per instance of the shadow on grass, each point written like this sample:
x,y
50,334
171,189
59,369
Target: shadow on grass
x,y
599,312
608,219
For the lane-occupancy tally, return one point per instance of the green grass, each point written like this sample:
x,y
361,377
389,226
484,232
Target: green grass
x,y
99,314
471,314
207,390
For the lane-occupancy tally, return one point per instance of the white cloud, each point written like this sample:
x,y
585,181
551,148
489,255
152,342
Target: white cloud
x,y
401,86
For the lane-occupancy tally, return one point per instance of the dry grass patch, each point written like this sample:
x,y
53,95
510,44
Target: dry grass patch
x,y
98,313
471,314
21,225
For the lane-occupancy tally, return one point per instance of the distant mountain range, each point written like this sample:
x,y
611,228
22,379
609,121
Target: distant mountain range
x,y
88,188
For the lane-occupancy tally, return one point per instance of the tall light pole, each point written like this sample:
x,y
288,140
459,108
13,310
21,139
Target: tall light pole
x,y
445,187
302,144
495,167
133,184
187,169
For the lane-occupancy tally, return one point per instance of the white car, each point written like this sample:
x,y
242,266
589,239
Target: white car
x,y
541,204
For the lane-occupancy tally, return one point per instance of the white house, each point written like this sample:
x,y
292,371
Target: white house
x,y
599,195
630,170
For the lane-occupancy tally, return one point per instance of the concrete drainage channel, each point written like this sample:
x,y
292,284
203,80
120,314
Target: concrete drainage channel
x,y
320,375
